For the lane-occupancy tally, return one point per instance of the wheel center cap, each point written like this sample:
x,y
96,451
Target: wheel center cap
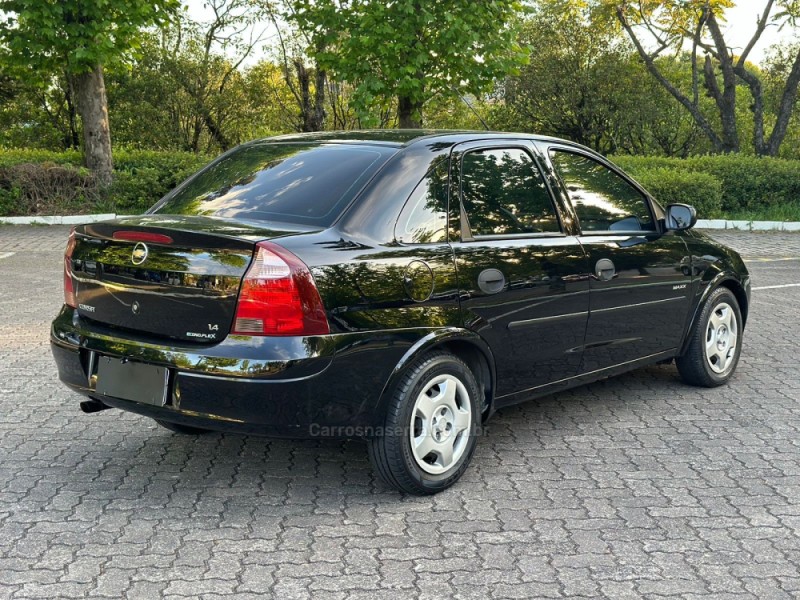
x,y
441,424
722,337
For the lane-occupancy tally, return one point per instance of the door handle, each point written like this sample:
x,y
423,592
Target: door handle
x,y
605,270
491,281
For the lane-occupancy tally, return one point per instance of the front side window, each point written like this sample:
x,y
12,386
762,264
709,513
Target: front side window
x,y
602,199
504,194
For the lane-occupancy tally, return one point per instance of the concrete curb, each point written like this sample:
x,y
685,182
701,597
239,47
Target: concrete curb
x,y
701,223
58,220
748,225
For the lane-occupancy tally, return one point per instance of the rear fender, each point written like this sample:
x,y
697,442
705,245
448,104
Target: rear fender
x,y
467,345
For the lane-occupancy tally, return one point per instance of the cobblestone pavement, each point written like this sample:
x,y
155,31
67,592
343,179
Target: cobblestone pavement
x,y
633,487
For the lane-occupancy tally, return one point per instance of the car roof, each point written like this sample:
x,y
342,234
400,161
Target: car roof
x,y
404,137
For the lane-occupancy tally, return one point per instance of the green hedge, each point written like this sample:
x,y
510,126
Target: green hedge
x,y
701,190
748,182
43,182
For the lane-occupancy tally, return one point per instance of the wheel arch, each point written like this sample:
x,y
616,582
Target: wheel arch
x,y
741,296
467,346
737,288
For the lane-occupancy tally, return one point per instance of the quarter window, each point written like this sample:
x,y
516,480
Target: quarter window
x,y
504,193
603,200
423,220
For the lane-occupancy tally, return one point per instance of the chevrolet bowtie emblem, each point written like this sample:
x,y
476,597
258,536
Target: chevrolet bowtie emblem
x,y
139,253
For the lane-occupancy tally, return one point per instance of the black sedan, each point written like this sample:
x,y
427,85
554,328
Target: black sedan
x,y
394,286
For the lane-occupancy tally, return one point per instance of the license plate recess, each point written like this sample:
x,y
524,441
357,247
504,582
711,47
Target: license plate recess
x,y
132,380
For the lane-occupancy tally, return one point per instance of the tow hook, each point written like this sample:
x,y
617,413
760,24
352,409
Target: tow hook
x,y
92,406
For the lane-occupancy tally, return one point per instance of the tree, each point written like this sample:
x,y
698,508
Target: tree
x,y
79,37
673,24
778,66
235,31
587,84
412,50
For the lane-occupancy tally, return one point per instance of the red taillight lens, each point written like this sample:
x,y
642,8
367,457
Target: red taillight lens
x,y
69,289
279,297
142,236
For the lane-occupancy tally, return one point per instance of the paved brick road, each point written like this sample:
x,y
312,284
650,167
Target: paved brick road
x,y
634,487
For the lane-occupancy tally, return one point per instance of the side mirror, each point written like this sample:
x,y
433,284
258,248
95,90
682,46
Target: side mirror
x,y
680,217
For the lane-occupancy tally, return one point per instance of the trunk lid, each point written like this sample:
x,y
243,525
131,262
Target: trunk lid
x,y
164,275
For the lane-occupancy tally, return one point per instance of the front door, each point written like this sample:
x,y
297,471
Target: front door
x,y
640,274
521,271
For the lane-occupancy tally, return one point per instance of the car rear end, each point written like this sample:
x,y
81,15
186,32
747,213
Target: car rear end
x,y
195,313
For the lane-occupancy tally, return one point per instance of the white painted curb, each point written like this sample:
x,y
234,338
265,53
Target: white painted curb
x,y
748,225
701,223
58,220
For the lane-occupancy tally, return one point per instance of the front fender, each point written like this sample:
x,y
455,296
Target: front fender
x,y
714,265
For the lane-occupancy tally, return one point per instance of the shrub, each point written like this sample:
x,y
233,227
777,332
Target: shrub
x,y
15,156
748,182
43,182
141,177
46,188
751,182
669,186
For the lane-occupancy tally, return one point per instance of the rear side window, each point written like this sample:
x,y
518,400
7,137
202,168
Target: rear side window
x,y
602,199
294,183
423,220
504,194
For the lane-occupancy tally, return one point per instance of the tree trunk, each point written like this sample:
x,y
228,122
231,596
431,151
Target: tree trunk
x,y
788,101
214,130
312,113
692,106
320,81
725,98
90,97
408,113
73,137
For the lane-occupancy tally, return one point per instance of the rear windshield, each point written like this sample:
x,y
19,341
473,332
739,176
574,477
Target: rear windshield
x,y
292,183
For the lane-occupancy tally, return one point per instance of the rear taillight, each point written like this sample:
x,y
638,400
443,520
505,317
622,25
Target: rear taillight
x,y
69,286
279,297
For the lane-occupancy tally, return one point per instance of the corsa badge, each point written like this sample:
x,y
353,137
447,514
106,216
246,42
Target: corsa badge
x,y
139,254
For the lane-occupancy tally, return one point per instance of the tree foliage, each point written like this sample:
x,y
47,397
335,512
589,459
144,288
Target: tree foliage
x,y
412,50
77,38
621,76
76,35
673,24
586,84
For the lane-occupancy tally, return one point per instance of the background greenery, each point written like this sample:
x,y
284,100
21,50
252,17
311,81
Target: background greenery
x,y
49,182
45,182
181,89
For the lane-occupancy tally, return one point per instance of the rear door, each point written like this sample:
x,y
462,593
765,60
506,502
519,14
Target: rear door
x,y
640,274
521,270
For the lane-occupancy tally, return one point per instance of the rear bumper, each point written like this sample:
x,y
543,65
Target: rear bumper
x,y
283,387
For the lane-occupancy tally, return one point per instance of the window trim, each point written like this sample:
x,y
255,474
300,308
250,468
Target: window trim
x,y
614,169
527,148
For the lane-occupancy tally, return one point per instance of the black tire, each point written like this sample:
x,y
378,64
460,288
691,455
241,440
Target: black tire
x,y
390,450
694,366
178,428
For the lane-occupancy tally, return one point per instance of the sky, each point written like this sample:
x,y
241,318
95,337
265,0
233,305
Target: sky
x,y
740,26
